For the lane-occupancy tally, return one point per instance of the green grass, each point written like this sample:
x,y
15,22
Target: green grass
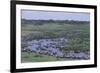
x,y
54,27
78,36
33,57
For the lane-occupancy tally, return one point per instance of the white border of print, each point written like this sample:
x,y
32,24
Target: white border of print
x,y
20,65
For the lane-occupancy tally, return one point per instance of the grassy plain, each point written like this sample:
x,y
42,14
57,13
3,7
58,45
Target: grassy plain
x,y
78,36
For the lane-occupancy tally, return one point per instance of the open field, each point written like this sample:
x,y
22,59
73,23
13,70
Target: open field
x,y
31,57
77,35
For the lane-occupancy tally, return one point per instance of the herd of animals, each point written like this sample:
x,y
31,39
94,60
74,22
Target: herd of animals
x,y
54,47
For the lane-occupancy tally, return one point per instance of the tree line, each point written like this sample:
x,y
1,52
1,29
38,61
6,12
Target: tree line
x,y
41,22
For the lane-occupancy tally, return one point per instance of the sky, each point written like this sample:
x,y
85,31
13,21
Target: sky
x,y
54,15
